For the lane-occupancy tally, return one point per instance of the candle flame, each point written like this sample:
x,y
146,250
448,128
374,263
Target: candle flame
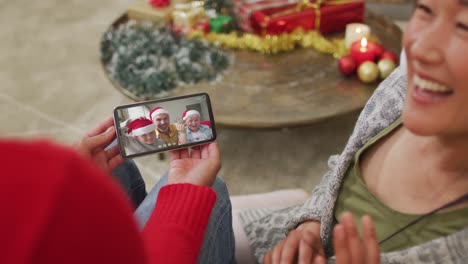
x,y
364,42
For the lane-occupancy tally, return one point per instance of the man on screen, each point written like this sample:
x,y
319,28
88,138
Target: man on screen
x,y
165,130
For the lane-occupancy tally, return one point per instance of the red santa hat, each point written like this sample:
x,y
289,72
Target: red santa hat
x,y
140,127
188,113
156,111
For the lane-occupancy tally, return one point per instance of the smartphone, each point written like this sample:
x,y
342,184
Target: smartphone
x,y
164,124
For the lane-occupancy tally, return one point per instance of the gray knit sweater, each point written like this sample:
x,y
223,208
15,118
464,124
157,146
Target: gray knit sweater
x,y
265,228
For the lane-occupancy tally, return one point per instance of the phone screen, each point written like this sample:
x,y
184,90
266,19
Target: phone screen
x,y
165,124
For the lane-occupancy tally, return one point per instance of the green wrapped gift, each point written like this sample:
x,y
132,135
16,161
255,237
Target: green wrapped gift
x,y
220,24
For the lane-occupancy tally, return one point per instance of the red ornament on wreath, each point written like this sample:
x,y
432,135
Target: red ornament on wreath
x,y
347,65
389,56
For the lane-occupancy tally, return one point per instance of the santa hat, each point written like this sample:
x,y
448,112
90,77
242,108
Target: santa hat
x,y
156,111
141,126
188,113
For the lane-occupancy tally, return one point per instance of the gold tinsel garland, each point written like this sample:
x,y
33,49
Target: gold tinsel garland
x,y
272,44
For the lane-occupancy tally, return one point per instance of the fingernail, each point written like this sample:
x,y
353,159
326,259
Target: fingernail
x,y
110,129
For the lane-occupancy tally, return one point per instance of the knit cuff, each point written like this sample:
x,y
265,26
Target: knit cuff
x,y
186,204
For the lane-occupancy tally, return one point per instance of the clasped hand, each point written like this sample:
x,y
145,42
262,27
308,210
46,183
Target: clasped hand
x,y
303,245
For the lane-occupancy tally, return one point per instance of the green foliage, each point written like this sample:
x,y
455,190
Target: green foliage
x,y
147,59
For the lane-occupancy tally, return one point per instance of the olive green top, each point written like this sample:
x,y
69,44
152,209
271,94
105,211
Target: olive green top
x,y
356,198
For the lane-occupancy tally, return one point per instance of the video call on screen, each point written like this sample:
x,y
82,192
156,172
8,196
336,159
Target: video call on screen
x,y
157,126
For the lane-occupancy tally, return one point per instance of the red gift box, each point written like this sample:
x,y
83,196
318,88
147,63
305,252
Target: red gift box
x,y
243,9
326,16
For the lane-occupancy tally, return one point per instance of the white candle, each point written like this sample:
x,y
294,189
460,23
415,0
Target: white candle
x,y
355,32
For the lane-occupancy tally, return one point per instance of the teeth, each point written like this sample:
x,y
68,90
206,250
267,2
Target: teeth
x,y
429,85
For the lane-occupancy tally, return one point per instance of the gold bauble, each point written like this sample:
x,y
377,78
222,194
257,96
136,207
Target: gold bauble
x,y
368,72
386,67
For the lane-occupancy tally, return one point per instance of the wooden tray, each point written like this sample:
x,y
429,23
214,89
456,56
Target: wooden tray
x,y
290,89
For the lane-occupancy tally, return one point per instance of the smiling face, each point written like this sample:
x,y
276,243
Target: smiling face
x,y
148,138
162,122
436,45
193,123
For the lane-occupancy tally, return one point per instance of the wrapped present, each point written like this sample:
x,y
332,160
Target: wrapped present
x,y
326,16
243,9
203,26
221,24
142,10
187,15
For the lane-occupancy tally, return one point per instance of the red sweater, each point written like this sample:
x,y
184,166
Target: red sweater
x,y
59,208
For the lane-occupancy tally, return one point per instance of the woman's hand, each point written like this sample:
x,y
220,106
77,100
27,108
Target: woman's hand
x,y
92,146
198,165
302,245
349,248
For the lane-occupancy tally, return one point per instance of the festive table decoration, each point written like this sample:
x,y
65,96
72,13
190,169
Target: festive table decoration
x,y
363,55
142,10
186,16
368,72
326,16
389,55
277,43
202,25
386,67
221,24
147,59
361,52
307,76
222,7
377,48
243,10
347,65
355,32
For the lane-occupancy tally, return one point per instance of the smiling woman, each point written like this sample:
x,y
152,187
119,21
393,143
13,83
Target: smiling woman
x,y
435,42
405,166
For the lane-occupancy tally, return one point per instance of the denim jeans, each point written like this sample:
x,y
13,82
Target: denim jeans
x,y
129,177
218,243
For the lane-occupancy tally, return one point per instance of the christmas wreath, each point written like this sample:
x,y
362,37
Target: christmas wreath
x,y
148,59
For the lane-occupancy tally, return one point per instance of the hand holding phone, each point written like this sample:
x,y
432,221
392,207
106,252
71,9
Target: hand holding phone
x,y
93,144
165,124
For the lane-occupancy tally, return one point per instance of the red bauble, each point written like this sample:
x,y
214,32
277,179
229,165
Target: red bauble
x,y
378,49
347,65
390,56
